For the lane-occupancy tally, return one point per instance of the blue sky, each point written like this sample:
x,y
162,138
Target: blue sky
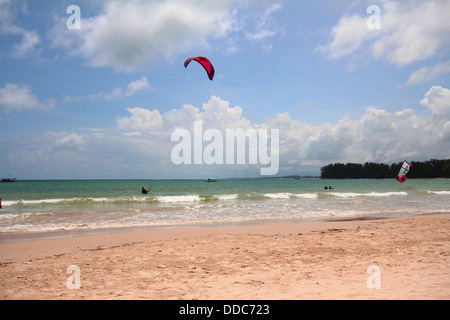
x,y
102,101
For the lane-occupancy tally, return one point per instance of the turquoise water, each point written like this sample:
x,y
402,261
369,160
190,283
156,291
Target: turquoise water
x,y
95,205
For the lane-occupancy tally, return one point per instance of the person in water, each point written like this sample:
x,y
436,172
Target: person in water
x,y
144,191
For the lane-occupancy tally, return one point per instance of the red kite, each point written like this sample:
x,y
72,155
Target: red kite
x,y
205,63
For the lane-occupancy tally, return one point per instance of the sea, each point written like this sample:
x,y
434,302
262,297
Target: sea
x,y
62,208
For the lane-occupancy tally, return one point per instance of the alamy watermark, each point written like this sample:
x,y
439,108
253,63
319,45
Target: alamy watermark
x,y
374,21
74,21
74,280
374,280
227,149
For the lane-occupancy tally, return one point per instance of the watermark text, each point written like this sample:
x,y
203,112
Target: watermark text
x,y
374,280
230,148
74,21
374,21
74,280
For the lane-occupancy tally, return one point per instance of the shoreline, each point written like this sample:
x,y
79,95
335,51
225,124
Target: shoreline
x,y
308,260
39,245
15,237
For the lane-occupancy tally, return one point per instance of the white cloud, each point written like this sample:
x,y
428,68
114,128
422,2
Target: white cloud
x,y
138,85
116,94
142,145
5,10
76,155
29,39
378,136
348,36
129,35
216,113
265,25
141,120
415,30
428,73
132,89
261,34
68,142
131,134
411,31
437,99
14,97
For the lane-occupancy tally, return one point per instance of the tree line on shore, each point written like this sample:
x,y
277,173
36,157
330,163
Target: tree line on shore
x,y
420,169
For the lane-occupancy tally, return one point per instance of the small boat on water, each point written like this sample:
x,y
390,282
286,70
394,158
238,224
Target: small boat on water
x,y
211,180
9,179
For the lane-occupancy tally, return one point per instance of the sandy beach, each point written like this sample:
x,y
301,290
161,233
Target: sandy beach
x,y
369,259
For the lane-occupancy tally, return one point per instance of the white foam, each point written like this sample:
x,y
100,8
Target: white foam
x,y
439,192
22,216
227,196
284,195
174,199
370,194
307,195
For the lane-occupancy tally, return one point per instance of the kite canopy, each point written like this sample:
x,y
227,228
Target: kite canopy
x,y
205,63
404,171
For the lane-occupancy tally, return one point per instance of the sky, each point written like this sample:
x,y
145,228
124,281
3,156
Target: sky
x,y
96,89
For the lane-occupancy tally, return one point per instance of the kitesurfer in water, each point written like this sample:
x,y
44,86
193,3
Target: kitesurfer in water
x,y
144,191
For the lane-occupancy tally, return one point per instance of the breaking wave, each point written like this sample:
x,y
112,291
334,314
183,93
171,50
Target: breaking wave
x,y
155,199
